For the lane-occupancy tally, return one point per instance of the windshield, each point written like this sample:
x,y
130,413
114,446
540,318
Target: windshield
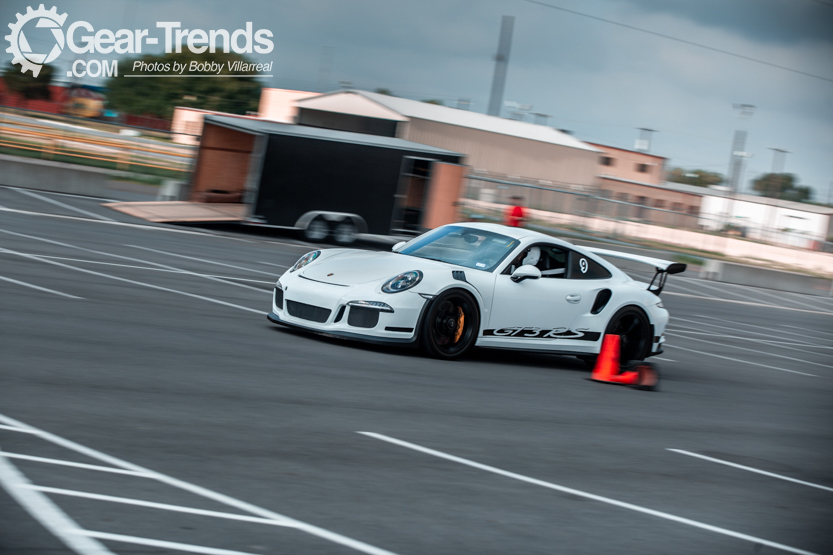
x,y
464,246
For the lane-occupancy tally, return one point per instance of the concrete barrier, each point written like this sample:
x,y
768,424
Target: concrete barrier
x,y
779,280
58,177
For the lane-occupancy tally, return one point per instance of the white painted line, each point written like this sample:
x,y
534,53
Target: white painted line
x,y
748,303
202,260
160,506
750,469
61,462
805,329
187,547
102,253
770,343
16,429
664,359
124,224
148,268
24,284
62,205
98,199
204,492
782,345
275,265
46,512
769,329
586,495
151,286
740,360
784,299
699,283
686,334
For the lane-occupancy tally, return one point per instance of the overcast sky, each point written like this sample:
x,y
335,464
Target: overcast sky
x,y
600,81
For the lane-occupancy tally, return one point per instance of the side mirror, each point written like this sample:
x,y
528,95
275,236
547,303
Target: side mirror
x,y
527,271
398,246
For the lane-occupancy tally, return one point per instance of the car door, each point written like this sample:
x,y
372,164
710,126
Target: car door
x,y
538,313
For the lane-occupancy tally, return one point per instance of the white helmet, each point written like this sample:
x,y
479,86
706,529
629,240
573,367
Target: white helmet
x,y
532,256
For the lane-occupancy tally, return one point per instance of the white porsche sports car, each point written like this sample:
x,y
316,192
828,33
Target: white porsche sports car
x,y
486,285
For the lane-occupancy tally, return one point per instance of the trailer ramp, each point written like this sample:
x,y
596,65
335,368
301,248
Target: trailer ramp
x,y
181,211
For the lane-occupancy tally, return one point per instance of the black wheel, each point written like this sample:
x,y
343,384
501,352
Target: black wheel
x,y
317,230
449,329
345,232
631,324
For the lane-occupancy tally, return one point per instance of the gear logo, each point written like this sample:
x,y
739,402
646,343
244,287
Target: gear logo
x,y
23,55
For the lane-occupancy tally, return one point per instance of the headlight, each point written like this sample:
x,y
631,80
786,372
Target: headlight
x,y
402,282
306,259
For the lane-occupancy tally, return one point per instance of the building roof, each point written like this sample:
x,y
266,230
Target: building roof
x,y
265,127
668,186
640,152
400,109
713,192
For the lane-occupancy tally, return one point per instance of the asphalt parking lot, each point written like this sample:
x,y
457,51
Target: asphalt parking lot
x,y
148,406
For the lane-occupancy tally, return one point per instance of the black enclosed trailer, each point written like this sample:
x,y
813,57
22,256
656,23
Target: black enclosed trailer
x,y
325,182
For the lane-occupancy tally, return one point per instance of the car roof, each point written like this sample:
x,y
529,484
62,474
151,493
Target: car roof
x,y
515,232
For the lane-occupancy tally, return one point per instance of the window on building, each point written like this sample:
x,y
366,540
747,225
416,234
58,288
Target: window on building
x,y
678,207
607,161
659,203
693,210
624,197
643,168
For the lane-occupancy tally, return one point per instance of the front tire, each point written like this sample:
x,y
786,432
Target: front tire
x,y
450,327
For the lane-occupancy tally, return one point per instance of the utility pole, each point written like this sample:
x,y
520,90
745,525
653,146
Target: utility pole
x,y
501,64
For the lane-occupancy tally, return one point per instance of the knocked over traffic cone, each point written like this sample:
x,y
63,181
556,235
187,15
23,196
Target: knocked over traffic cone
x,y
641,375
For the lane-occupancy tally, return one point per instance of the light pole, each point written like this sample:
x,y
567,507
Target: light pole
x,y
744,112
779,158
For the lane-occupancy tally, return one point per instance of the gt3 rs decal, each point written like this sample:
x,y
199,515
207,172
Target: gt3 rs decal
x,y
538,333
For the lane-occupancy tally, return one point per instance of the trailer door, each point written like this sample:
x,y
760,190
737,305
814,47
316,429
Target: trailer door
x,y
409,205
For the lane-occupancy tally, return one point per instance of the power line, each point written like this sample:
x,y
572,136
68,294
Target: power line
x,y
676,39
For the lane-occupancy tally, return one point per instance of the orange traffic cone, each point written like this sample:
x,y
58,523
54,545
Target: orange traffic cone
x,y
608,365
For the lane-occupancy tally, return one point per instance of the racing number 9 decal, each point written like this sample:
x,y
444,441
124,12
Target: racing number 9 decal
x,y
582,264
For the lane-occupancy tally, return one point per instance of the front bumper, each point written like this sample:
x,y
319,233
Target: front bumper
x,y
331,310
276,319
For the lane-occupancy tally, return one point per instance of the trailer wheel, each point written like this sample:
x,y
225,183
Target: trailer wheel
x,y
345,232
317,230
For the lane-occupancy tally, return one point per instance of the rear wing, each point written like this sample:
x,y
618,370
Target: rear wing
x,y
663,268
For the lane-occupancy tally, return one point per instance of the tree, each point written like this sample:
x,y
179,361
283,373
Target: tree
x,y
700,178
782,186
385,91
434,101
158,97
27,86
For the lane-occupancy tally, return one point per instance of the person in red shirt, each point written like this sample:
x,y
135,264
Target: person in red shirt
x,y
515,214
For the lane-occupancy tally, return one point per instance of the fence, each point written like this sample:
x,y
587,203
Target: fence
x,y
585,210
94,144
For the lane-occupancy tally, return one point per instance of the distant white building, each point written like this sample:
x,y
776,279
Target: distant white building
x,y
778,221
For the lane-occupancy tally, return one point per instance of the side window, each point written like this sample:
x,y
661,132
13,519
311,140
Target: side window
x,y
551,260
582,267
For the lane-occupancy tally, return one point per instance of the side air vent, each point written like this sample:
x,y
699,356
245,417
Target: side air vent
x,y
459,275
340,314
602,298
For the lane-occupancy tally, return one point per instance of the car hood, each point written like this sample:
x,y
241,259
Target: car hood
x,y
358,267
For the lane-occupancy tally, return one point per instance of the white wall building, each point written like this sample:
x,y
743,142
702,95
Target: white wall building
x,y
778,221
